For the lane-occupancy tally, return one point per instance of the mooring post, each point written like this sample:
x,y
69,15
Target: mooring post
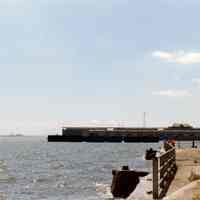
x,y
193,143
155,178
179,144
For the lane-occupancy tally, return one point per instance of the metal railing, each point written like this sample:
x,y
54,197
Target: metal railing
x,y
164,170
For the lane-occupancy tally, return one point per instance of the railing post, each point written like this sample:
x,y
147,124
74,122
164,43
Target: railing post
x,y
174,156
155,178
164,169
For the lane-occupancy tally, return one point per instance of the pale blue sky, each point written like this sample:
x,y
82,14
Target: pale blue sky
x,y
98,62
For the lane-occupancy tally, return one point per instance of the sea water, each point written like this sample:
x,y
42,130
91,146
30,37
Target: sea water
x,y
31,168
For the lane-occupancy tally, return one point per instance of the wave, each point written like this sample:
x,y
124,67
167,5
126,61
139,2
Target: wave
x,y
4,176
41,180
57,165
61,184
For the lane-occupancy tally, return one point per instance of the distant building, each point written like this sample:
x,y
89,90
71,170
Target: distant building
x,y
180,126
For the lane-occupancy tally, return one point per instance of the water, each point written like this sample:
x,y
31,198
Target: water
x,y
31,168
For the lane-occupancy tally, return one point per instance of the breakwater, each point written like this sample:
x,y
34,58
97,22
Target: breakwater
x,y
124,134
106,134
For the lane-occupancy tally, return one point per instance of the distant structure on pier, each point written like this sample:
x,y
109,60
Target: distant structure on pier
x,y
180,132
144,119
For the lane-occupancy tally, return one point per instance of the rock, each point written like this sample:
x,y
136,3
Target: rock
x,y
150,154
149,192
125,181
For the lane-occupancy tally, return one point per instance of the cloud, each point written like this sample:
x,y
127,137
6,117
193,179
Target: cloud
x,y
196,81
172,93
180,57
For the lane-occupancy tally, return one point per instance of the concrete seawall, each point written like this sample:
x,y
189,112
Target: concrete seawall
x,y
186,184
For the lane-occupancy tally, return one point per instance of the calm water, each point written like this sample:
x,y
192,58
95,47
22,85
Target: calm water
x,y
31,168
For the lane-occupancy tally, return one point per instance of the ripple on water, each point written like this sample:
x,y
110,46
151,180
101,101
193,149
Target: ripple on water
x,y
3,164
61,184
55,171
4,176
56,165
41,179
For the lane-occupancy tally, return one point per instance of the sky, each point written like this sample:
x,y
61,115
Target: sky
x,y
88,62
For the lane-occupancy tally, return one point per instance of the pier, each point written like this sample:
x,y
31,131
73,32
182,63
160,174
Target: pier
x,y
106,134
125,134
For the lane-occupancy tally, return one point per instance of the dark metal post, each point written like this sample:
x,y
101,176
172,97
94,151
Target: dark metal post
x,y
193,143
155,178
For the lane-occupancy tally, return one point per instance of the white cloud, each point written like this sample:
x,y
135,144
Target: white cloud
x,y
172,93
196,81
180,57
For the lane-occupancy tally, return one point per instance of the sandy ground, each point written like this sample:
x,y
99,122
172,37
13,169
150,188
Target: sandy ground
x,y
188,162
189,192
185,185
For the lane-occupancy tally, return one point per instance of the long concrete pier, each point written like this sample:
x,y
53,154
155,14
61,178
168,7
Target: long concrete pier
x,y
125,134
